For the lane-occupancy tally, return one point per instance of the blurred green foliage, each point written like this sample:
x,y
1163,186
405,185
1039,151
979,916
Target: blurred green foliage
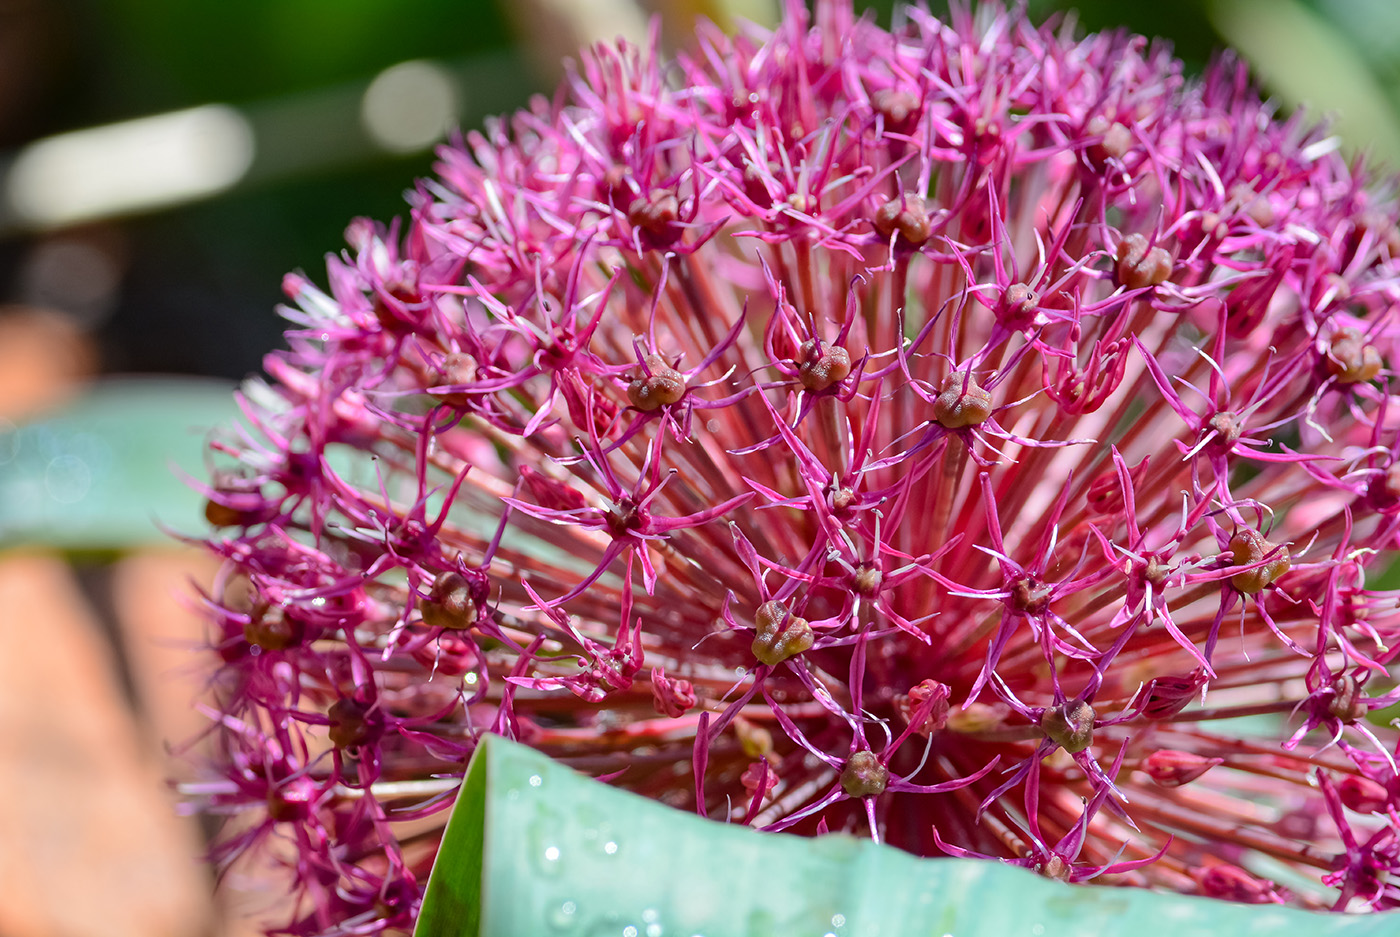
x,y
174,53
202,281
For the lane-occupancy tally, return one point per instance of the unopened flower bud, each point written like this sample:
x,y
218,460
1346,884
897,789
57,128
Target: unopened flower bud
x,y
780,634
1234,884
1171,768
671,697
864,775
1169,695
1362,794
759,772
1069,725
926,701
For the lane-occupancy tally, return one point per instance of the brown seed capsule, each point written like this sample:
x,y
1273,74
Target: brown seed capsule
x,y
1116,140
1252,204
398,307
1351,360
450,602
1030,595
754,740
1348,703
867,580
1248,546
655,214
290,801
270,629
961,402
613,188
819,368
900,109
459,369
350,723
1069,725
907,216
780,634
1392,481
979,717
1019,302
1227,428
663,386
221,515
1056,868
1139,266
864,776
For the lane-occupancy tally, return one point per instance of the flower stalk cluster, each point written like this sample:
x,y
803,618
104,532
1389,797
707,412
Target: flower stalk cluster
x,y
972,436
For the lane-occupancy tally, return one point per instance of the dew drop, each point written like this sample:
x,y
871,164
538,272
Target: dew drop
x,y
536,780
551,853
562,917
838,920
610,847
629,931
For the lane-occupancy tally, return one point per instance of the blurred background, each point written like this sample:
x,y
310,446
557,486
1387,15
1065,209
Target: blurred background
x,y
162,164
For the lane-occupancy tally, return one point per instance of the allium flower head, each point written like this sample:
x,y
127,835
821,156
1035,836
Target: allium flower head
x,y
943,435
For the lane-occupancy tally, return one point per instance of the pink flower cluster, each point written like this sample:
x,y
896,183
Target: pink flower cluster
x,y
973,436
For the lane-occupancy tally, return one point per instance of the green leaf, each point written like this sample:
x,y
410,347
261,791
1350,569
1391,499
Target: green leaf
x,y
534,848
98,475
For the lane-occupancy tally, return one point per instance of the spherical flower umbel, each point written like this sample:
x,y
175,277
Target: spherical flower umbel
x,y
944,435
